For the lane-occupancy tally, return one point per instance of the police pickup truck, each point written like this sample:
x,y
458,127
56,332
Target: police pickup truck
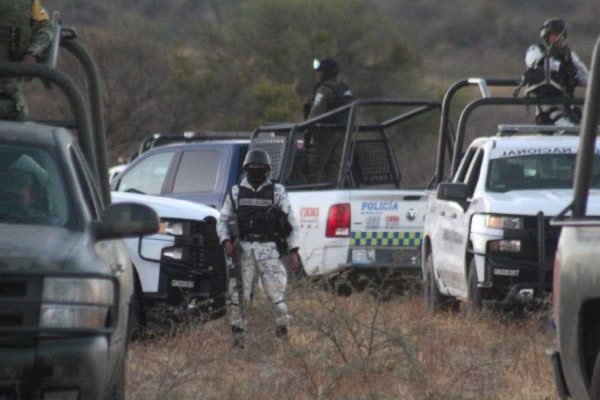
x,y
487,232
355,210
576,274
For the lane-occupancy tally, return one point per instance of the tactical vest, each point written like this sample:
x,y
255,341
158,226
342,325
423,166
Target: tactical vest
x,y
341,96
252,211
15,29
552,76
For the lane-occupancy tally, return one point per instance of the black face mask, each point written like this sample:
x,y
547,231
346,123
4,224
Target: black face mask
x,y
256,176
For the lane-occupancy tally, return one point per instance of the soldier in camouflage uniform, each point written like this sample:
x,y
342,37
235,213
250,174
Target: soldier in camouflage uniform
x,y
25,33
252,202
329,94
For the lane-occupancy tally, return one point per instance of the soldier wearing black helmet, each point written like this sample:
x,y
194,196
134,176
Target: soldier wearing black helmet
x,y
554,70
329,94
264,217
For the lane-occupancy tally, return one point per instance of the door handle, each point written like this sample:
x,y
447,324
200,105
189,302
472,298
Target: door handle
x,y
442,213
453,215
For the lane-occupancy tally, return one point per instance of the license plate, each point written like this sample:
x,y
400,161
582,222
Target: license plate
x,y
363,256
182,284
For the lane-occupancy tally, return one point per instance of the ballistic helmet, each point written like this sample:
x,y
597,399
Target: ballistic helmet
x,y
553,26
257,156
328,66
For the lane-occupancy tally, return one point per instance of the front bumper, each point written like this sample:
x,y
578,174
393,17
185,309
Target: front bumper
x,y
396,259
512,280
77,365
197,275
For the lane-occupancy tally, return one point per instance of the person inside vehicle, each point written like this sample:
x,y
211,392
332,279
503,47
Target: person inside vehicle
x,y
327,141
554,70
20,196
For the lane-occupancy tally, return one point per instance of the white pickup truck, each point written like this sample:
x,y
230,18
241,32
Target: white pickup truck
x,y
487,235
354,210
181,268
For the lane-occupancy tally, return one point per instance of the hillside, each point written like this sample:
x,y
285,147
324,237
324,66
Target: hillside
x,y
229,64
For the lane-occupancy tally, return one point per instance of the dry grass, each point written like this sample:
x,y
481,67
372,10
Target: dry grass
x,y
356,347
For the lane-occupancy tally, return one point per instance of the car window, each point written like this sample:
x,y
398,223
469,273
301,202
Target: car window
x,y
148,176
92,201
33,190
464,165
197,172
473,172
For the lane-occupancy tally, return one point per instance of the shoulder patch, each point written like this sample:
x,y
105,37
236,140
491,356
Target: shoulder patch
x,y
38,13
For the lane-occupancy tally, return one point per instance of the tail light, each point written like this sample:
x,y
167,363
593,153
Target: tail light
x,y
338,221
555,288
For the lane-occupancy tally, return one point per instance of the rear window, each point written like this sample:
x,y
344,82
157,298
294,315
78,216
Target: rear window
x,y
197,172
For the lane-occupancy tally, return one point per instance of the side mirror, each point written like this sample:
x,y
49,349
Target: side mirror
x,y
123,220
451,191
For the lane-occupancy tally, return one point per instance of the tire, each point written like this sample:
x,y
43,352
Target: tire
x,y
474,298
433,300
595,383
137,316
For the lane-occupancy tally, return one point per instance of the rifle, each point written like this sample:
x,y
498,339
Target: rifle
x,y
236,258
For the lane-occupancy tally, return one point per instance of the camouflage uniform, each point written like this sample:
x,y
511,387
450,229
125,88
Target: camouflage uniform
x,y
24,28
259,260
327,153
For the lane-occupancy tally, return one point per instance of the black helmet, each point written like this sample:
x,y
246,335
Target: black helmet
x,y
328,66
553,26
257,156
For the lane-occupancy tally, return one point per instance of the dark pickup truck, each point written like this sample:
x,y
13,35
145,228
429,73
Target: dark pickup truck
x,y
576,362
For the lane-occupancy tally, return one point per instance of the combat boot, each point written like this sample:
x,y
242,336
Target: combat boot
x,y
238,337
281,332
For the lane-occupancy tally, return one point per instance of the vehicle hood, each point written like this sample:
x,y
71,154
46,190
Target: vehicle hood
x,y
167,207
33,248
530,202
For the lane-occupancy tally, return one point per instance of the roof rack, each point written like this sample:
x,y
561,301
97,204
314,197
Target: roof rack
x,y
282,170
516,129
160,139
88,115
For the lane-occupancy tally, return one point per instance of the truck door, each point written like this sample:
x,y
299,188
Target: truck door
x,y
448,251
459,220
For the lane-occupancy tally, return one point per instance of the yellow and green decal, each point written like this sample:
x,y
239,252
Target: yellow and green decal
x,y
383,239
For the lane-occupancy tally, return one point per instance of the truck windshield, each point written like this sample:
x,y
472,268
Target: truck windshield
x,y
534,172
32,190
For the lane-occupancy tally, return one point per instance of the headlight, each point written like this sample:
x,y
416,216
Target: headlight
x,y
70,316
175,253
171,228
503,222
76,303
507,246
75,290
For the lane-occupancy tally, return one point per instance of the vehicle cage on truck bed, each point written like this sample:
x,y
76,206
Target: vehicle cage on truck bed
x,y
366,155
451,141
89,121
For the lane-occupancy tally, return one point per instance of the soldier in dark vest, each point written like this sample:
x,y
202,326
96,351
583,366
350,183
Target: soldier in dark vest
x,y
554,70
25,33
327,143
264,217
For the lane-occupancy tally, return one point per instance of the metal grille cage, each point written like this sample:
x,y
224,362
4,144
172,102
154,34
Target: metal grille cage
x,y
372,160
275,146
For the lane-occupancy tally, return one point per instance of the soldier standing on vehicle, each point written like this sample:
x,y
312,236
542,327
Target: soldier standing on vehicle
x,y
264,218
25,33
553,70
329,94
